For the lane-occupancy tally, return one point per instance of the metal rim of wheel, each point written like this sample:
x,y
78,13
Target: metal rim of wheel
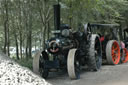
x,y
124,56
113,52
37,65
36,62
87,29
95,53
43,71
73,65
98,53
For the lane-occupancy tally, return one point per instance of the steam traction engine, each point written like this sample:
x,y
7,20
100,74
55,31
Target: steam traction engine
x,y
113,48
68,50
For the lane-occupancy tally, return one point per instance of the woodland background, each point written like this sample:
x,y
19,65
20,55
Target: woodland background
x,y
25,25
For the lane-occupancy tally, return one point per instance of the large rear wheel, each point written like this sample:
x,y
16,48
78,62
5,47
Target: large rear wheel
x,y
95,53
73,65
113,52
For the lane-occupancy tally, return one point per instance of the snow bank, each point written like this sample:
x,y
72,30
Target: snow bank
x,y
13,74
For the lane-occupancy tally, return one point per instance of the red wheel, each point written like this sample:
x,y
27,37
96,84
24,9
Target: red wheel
x,y
113,52
124,56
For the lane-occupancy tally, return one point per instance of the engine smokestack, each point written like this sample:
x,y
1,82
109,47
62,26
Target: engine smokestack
x,y
57,16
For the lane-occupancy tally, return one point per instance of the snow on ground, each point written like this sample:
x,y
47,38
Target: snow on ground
x,y
13,74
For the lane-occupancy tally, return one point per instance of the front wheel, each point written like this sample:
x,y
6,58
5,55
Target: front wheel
x,y
38,64
73,65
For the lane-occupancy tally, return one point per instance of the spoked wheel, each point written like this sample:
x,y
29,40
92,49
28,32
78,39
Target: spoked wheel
x,y
43,71
113,52
73,65
38,64
95,53
124,56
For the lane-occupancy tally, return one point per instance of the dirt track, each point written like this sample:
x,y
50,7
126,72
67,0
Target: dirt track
x,y
108,75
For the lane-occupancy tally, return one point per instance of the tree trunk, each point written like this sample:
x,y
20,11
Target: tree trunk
x,y
35,43
48,33
8,42
21,45
40,43
5,36
30,32
20,29
30,45
26,49
44,37
17,49
6,29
